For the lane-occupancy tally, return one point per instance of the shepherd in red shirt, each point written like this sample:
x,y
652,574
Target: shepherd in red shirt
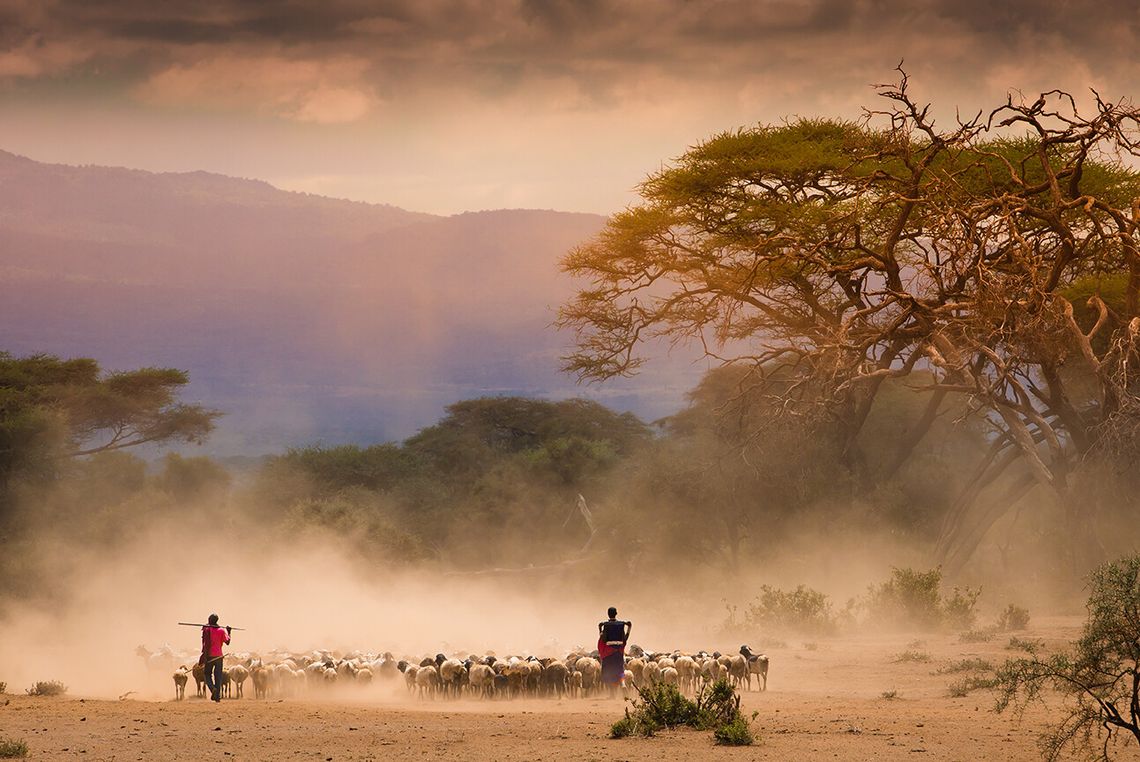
x,y
213,638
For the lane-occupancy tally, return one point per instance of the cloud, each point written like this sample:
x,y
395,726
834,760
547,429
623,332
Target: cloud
x,y
36,58
497,49
329,91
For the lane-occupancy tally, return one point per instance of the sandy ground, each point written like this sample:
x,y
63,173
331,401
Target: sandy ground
x,y
825,701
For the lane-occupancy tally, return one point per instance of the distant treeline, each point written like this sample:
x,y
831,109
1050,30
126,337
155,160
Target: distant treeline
x,y
494,484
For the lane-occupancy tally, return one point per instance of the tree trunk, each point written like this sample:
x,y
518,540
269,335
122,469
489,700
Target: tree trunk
x,y
961,548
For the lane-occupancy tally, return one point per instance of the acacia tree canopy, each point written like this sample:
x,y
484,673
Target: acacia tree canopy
x,y
52,408
847,253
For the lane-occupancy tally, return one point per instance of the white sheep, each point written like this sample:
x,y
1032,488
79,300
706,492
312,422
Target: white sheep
x,y
636,666
238,675
687,670
591,670
410,677
260,675
482,680
651,673
181,676
427,681
576,683
757,665
451,674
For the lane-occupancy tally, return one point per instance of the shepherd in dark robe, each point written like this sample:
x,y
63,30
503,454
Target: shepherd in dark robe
x,y
613,634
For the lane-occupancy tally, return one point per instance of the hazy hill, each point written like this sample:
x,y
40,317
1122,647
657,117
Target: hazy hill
x,y
305,318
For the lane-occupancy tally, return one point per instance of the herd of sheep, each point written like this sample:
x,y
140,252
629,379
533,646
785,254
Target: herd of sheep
x,y
578,674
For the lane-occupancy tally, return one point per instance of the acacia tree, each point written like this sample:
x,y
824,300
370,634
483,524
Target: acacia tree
x,y
1099,678
846,253
53,409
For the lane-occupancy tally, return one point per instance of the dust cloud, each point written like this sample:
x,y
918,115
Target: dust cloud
x,y
297,594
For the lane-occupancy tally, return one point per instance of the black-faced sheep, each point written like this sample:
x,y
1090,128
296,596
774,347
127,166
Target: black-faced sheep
x,y
757,665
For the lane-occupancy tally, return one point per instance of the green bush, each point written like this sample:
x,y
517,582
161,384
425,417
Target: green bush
x,y
963,687
981,676
12,749
632,725
958,608
1094,680
717,708
48,688
717,704
802,610
1013,618
914,599
666,707
734,733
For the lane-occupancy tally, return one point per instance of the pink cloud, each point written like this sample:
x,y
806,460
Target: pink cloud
x,y
326,91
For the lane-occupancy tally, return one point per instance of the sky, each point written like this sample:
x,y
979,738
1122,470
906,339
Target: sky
x,y
446,106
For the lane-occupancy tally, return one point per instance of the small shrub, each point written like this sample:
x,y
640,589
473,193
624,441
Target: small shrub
x,y
666,707
632,725
1013,618
47,688
811,646
801,610
890,695
1094,680
717,704
984,635
734,733
966,665
717,708
3,688
915,656
1031,645
958,608
972,683
12,749
914,599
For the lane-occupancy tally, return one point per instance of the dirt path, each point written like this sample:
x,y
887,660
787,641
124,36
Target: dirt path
x,y
825,701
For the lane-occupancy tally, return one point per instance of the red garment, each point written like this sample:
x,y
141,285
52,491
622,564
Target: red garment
x,y
605,650
213,638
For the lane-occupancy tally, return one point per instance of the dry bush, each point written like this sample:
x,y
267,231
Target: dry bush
x,y
966,665
12,749
1013,618
47,688
983,635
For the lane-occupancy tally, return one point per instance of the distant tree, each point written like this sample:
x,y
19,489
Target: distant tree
x,y
847,254
1099,679
571,437
190,478
53,409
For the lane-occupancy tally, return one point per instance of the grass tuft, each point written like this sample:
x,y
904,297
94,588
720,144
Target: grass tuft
x,y
12,749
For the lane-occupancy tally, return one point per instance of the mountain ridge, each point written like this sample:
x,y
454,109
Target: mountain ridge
x,y
303,318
